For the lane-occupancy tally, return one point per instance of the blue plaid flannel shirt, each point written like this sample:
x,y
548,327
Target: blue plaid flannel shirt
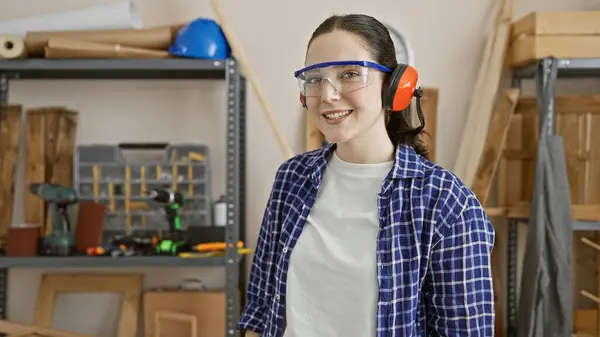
x,y
434,250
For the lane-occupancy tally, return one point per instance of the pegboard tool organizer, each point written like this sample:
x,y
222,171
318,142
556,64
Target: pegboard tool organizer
x,y
121,175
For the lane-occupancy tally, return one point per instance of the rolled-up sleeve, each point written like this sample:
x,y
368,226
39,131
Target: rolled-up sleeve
x,y
260,284
458,292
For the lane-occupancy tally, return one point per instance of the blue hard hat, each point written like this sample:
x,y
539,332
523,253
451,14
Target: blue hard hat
x,y
201,38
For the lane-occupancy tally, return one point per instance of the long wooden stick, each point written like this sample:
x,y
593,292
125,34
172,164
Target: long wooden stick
x,y
494,144
484,95
245,66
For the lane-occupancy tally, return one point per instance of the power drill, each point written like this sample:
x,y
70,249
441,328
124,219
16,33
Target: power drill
x,y
172,201
61,242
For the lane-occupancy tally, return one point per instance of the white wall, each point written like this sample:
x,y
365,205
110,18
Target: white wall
x,y
447,42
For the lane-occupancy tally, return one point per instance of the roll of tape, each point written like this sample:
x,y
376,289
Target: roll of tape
x,y
12,47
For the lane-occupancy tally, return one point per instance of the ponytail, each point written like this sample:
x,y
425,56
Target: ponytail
x,y
401,133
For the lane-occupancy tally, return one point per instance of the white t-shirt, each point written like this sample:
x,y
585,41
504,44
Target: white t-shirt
x,y
332,286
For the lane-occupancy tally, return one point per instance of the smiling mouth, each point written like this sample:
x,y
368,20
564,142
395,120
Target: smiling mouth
x,y
337,115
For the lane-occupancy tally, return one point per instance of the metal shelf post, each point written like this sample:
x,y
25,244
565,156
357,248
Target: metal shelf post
x,y
3,271
234,200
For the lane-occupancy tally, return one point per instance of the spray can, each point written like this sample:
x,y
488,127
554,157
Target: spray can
x,y
220,212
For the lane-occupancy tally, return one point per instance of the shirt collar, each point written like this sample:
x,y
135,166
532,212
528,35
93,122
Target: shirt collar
x,y
407,163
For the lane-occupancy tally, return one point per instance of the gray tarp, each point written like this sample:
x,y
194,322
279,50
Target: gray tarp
x,y
545,306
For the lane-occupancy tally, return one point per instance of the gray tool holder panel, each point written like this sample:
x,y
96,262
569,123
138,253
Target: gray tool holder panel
x,y
120,176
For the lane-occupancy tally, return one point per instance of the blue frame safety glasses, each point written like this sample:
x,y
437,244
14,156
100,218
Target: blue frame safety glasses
x,y
343,76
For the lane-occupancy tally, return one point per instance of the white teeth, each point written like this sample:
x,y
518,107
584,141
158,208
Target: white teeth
x,y
338,115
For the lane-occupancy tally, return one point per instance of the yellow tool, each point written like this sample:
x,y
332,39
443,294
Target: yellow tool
x,y
241,251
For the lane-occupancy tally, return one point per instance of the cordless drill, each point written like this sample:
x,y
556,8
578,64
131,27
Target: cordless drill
x,y
172,201
61,241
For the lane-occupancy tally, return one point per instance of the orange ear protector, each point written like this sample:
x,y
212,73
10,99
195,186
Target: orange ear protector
x,y
399,92
401,88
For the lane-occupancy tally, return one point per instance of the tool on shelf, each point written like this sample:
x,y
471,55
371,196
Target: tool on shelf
x,y
61,242
208,249
172,200
126,245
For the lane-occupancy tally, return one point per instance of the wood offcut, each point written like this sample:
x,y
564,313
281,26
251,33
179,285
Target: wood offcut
x,y
129,285
16,329
10,135
50,147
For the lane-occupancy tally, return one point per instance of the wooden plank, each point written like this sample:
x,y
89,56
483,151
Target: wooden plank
x,y
529,137
61,125
52,122
35,166
62,168
429,104
18,329
484,95
565,104
591,141
576,122
509,180
10,134
585,212
494,144
557,23
569,127
528,49
585,321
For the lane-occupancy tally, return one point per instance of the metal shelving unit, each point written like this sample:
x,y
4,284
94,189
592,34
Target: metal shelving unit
x,y
542,72
154,69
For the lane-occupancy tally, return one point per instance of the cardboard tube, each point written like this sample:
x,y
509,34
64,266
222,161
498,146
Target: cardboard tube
x,y
12,47
174,28
150,38
63,48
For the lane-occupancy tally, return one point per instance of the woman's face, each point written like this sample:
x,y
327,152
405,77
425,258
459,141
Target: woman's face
x,y
328,110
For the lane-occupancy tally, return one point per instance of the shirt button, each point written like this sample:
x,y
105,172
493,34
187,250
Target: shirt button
x,y
285,249
277,297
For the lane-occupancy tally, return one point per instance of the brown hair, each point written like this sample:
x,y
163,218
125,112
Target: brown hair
x,y
377,38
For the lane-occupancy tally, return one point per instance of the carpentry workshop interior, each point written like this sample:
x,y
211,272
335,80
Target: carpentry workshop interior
x,y
139,140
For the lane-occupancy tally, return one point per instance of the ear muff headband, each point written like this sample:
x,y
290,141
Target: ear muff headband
x,y
401,89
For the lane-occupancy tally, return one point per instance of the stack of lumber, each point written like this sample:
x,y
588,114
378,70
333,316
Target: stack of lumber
x,y
571,34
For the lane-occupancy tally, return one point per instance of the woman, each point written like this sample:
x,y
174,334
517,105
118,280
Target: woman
x,y
366,237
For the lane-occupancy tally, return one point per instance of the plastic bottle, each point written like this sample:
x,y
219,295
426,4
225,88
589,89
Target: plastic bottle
x,y
221,212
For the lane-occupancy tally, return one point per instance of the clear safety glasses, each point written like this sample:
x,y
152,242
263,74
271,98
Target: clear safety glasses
x,y
342,76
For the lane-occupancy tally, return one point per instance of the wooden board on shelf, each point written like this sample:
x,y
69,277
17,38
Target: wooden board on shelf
x,y
557,23
578,122
564,34
527,50
10,135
